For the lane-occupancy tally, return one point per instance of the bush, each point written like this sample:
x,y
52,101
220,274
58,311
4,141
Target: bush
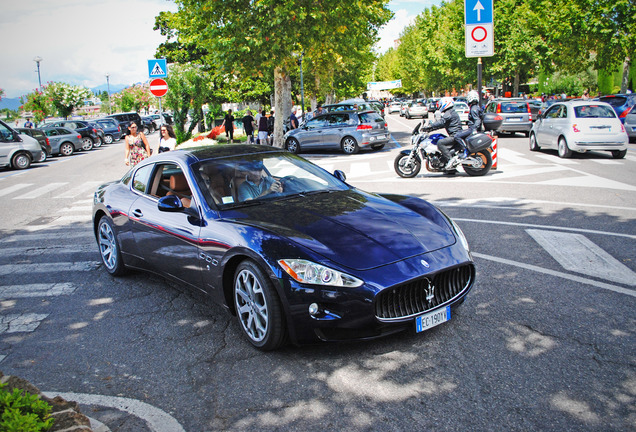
x,y
21,411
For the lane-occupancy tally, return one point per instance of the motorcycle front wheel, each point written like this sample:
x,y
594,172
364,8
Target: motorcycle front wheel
x,y
481,163
407,168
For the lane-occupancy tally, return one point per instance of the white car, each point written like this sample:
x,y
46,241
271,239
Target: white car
x,y
395,107
463,110
579,126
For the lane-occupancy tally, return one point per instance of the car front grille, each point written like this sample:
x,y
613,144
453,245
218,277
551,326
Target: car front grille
x,y
424,294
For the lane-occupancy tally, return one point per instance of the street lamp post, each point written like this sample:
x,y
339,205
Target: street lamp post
x,y
110,108
37,60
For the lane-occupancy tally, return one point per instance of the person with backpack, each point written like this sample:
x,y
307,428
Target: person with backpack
x,y
475,121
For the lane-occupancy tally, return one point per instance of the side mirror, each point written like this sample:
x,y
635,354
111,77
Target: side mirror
x,y
340,175
170,203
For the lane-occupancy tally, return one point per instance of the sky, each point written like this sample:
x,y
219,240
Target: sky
x,y
81,41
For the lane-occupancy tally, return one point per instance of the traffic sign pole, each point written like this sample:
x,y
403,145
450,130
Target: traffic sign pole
x,y
479,33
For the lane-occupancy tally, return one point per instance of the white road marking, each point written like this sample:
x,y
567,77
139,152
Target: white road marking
x,y
156,419
576,253
557,160
56,267
84,188
359,169
36,290
494,201
19,323
588,181
41,191
607,161
13,188
40,238
574,278
513,158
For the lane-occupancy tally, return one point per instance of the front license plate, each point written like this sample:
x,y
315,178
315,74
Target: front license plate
x,y
432,319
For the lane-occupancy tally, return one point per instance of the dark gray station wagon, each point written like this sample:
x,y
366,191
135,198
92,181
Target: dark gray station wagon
x,y
348,131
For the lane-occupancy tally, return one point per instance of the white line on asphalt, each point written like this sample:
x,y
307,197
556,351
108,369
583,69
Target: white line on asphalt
x,y
548,227
576,253
36,290
57,235
607,161
494,201
81,189
83,209
40,191
78,224
588,181
512,157
557,160
20,323
13,188
48,267
574,278
156,419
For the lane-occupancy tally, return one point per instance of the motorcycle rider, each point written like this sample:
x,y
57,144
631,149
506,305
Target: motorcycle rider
x,y
451,122
474,121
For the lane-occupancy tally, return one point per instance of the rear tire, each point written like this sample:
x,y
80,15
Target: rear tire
x,y
564,150
67,149
486,164
108,139
87,143
349,145
619,154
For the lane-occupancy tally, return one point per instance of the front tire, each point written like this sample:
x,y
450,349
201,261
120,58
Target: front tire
x,y
258,307
564,150
534,146
108,247
293,145
21,161
406,168
87,143
349,145
42,157
482,164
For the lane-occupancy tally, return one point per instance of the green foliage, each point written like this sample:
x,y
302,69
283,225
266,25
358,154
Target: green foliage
x,y
133,98
65,97
1,93
39,103
10,114
21,411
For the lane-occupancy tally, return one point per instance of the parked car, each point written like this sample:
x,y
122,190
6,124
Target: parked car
x,y
167,119
630,125
403,107
462,109
63,141
416,109
516,114
125,119
317,261
90,136
148,125
580,126
39,135
432,104
111,128
623,104
535,108
100,132
353,105
346,130
394,107
17,150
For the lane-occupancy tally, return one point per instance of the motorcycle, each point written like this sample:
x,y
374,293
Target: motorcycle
x,y
479,161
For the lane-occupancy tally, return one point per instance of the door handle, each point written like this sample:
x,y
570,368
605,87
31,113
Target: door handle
x,y
138,213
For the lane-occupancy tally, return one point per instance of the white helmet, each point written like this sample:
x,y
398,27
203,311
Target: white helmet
x,y
472,97
445,103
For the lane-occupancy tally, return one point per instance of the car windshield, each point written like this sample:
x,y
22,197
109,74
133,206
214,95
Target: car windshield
x,y
253,179
593,111
510,107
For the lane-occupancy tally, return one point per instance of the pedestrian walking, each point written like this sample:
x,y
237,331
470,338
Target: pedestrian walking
x,y
228,122
262,130
293,121
270,127
28,124
137,147
248,126
168,139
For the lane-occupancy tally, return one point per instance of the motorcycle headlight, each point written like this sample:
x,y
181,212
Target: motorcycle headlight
x,y
308,272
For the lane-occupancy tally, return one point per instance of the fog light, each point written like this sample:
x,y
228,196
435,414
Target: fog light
x,y
314,309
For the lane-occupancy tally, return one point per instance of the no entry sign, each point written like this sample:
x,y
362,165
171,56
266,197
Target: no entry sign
x,y
158,87
478,20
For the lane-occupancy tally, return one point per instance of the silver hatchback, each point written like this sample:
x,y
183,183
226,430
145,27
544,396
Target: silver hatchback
x,y
348,131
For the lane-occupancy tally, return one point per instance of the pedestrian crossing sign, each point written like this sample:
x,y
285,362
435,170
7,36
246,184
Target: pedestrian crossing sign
x,y
157,68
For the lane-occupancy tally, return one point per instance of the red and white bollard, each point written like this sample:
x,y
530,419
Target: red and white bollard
x,y
493,153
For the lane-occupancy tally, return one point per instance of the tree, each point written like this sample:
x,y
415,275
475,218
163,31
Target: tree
x,y
133,98
256,39
65,97
1,93
38,103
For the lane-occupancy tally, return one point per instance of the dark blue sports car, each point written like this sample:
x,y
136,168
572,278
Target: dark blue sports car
x,y
293,251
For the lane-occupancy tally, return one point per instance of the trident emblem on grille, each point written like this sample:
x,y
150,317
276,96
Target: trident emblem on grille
x,y
430,291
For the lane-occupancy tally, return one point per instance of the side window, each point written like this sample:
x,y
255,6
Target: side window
x,y
142,178
70,125
563,113
5,133
552,112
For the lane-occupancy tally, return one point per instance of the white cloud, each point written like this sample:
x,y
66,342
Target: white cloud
x,y
79,42
392,30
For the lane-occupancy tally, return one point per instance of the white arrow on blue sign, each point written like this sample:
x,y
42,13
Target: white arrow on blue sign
x,y
478,12
157,68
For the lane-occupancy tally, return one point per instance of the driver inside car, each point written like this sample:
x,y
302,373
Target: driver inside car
x,y
257,182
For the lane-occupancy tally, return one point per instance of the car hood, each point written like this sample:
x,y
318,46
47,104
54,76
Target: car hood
x,y
357,230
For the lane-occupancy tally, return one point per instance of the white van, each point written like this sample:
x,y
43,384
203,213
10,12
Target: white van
x,y
17,150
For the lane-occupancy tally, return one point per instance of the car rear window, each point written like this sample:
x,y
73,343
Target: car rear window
x,y
594,111
370,117
614,101
36,133
514,107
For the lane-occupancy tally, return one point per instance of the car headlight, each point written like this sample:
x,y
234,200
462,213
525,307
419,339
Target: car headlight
x,y
309,272
460,235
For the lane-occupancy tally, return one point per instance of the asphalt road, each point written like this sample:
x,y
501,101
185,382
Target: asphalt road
x,y
545,341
